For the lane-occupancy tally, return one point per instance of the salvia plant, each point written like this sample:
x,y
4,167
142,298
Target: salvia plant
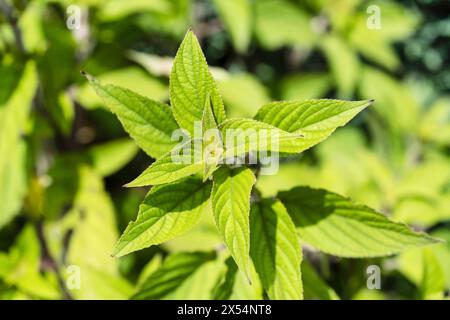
x,y
207,163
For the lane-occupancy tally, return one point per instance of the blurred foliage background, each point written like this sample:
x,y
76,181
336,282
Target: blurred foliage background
x,y
64,157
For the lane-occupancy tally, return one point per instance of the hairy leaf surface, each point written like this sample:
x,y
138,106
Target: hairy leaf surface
x,y
167,211
231,205
275,250
338,226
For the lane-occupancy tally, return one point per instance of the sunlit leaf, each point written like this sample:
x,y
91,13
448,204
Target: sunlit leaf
x,y
148,122
167,211
191,83
231,205
337,226
275,250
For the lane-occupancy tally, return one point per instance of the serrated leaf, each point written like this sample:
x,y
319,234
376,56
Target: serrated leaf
x,y
241,136
231,205
237,17
149,123
275,250
338,226
167,211
211,142
176,269
315,119
191,83
183,161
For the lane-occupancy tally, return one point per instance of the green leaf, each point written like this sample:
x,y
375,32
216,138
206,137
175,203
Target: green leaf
x,y
305,86
275,250
231,205
23,267
171,167
432,285
314,287
18,88
109,157
314,119
281,23
167,211
237,17
190,84
149,123
176,269
337,226
242,136
343,62
224,288
243,105
211,142
134,78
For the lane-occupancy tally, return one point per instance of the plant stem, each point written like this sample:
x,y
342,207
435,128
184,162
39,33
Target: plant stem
x,y
48,262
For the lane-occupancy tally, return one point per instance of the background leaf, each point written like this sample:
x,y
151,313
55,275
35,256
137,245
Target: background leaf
x,y
335,225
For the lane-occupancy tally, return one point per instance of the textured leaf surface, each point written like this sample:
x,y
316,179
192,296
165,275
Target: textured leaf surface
x,y
336,225
167,211
231,205
241,136
149,123
211,142
175,270
314,119
275,250
191,83
170,168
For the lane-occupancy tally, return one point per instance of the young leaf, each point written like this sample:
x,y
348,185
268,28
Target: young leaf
x,y
211,142
181,162
242,136
336,225
275,250
176,269
231,205
191,83
149,123
167,211
315,119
